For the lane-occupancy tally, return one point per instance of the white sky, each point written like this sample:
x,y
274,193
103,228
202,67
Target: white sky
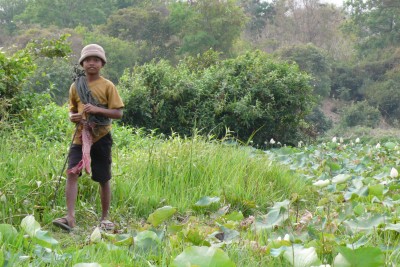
x,y
336,2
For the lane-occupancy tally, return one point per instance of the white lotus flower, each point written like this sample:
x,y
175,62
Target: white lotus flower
x,y
321,183
272,141
378,145
300,143
341,140
334,139
286,237
340,178
394,173
357,140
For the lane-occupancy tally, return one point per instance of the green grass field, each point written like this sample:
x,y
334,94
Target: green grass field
x,y
200,202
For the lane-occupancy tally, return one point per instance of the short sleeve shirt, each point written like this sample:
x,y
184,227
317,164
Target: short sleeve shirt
x,y
106,93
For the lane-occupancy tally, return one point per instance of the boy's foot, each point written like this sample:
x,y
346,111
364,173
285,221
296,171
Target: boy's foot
x,y
107,225
63,223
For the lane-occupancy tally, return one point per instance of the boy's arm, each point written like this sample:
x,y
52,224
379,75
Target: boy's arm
x,y
109,113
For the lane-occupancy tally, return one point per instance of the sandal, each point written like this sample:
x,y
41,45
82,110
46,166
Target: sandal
x,y
63,223
107,225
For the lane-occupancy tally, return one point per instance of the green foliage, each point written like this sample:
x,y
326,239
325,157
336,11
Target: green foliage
x,y
203,257
16,69
347,80
53,76
252,95
8,10
45,120
375,23
206,24
146,29
53,48
318,122
355,185
386,96
66,15
314,61
13,71
361,113
259,13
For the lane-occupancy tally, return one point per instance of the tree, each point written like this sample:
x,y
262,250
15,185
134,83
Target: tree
x,y
303,22
259,12
314,61
206,24
15,69
253,95
8,10
144,27
376,23
67,14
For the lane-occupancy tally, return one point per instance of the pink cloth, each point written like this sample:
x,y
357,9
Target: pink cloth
x,y
87,141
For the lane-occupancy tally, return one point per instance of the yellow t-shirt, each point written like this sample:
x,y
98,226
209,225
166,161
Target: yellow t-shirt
x,y
106,93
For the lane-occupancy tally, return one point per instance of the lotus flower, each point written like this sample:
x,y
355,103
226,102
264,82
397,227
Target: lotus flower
x,y
394,173
378,145
299,143
358,140
334,139
321,183
272,141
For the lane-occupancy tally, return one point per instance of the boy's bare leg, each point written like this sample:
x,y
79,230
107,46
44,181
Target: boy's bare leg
x,y
71,192
105,195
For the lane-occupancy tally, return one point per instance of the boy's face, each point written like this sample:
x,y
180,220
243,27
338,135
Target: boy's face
x,y
92,65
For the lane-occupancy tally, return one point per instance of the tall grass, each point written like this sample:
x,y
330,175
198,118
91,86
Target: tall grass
x,y
148,172
179,171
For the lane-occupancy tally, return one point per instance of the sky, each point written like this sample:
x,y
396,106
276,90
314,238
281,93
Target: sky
x,y
336,2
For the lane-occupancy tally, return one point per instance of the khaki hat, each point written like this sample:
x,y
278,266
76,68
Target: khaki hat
x,y
93,50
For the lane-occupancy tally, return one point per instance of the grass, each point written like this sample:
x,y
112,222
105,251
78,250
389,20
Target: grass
x,y
149,173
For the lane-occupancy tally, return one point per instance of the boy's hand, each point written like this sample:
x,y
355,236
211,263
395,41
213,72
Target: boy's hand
x,y
91,109
75,117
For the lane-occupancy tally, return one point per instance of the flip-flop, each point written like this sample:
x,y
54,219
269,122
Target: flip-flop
x,y
62,223
107,225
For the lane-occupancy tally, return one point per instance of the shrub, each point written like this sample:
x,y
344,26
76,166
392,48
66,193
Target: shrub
x,y
314,61
15,69
362,114
386,96
252,95
318,121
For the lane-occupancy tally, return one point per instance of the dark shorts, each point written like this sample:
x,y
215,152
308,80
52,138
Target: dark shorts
x,y
100,154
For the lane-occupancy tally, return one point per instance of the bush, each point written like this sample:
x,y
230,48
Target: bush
x,y
252,95
362,114
318,121
53,76
314,61
386,96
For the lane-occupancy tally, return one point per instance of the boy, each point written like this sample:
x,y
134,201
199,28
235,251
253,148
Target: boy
x,y
91,148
